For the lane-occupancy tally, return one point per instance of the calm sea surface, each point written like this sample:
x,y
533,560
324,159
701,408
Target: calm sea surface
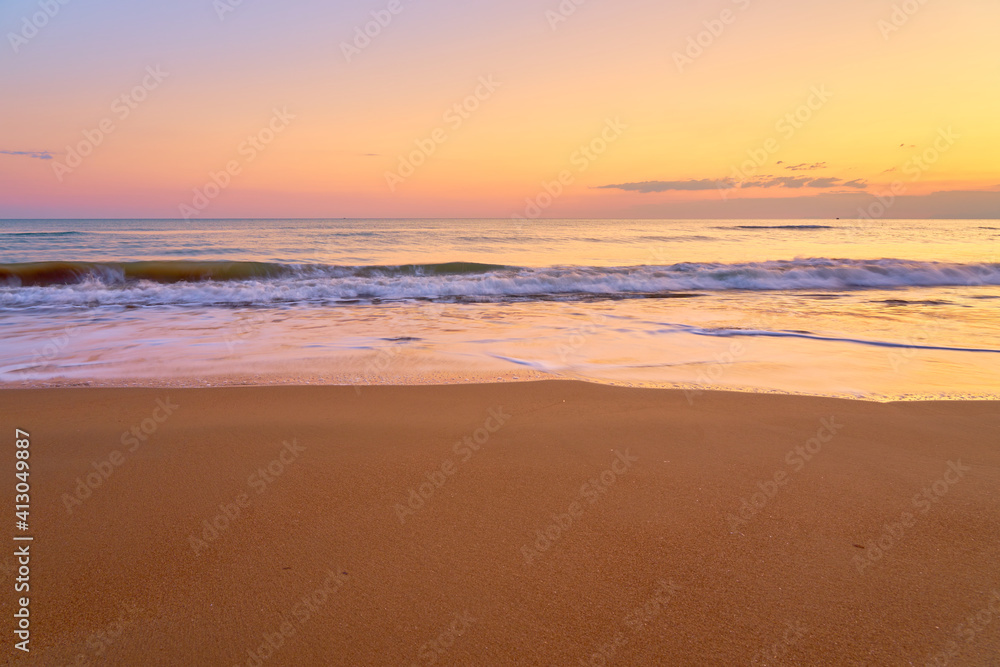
x,y
883,309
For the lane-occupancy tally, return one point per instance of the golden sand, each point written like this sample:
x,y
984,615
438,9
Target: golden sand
x,y
543,523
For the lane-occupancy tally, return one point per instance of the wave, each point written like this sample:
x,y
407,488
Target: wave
x,y
43,233
118,273
111,273
185,283
780,227
763,333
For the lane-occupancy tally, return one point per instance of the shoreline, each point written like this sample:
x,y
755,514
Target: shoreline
x,y
509,523
476,378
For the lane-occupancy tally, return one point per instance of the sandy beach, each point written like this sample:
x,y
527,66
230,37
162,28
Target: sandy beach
x,y
494,333
536,523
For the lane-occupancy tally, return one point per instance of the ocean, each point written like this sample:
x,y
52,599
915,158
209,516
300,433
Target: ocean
x,y
878,309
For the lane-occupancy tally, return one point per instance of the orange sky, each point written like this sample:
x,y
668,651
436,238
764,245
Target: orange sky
x,y
730,108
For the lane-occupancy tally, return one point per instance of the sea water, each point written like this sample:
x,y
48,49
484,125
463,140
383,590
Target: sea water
x,y
887,309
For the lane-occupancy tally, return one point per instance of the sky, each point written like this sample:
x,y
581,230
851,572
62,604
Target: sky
x,y
520,108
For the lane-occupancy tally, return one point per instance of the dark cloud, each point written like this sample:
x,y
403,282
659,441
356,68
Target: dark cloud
x,y
776,182
764,181
802,182
954,204
824,182
39,155
805,166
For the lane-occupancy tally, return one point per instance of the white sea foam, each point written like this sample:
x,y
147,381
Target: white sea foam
x,y
328,285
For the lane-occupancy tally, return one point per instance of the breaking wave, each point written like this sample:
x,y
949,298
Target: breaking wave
x,y
189,283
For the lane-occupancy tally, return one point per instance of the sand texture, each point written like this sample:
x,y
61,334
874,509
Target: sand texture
x,y
542,523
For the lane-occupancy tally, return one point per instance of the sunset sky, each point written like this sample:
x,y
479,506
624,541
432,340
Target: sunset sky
x,y
494,109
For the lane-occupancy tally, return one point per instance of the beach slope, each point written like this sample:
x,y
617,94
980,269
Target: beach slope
x,y
537,523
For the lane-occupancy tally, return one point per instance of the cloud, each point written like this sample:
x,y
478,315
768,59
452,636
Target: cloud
x,y
776,182
765,181
805,166
824,182
952,204
802,182
40,155
664,186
